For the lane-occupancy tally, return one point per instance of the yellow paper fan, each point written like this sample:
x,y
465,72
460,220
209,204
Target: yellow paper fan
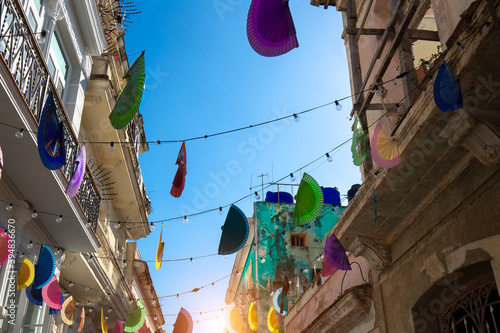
x,y
159,250
25,275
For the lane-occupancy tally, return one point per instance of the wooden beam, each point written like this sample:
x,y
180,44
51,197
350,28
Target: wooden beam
x,y
414,34
363,21
392,49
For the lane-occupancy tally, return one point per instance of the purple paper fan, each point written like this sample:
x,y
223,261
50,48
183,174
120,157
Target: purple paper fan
x,y
34,295
270,27
79,171
335,254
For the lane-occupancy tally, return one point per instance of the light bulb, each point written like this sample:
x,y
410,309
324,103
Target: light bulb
x,y
109,310
318,259
377,91
399,108
19,134
328,157
90,310
358,192
117,225
106,318
262,260
225,256
338,106
124,264
56,252
238,274
30,245
191,261
87,289
77,303
40,37
34,215
59,219
213,285
131,301
151,226
66,294
306,270
21,255
257,195
108,297
292,177
88,224
155,317
286,245
177,297
9,207
220,211
158,142
89,303
461,47
311,224
111,147
70,284
153,302
296,117
185,220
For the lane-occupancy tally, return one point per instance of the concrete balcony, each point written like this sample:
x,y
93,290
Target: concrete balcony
x,y
24,84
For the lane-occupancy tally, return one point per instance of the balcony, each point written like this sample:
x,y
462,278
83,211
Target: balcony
x,y
24,84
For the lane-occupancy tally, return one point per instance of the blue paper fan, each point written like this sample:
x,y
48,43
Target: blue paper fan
x,y
447,91
34,295
51,137
45,268
54,311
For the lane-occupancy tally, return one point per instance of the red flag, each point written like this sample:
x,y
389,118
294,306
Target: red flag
x,y
180,175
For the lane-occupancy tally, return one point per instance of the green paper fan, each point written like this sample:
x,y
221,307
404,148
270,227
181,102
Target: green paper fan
x,y
128,101
136,318
309,201
359,146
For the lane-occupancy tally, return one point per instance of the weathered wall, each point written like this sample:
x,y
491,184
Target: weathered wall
x,y
274,229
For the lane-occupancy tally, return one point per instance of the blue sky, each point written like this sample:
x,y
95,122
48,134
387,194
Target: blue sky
x,y
203,77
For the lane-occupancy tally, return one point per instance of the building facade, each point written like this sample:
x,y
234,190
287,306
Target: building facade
x,y
75,51
275,249
432,251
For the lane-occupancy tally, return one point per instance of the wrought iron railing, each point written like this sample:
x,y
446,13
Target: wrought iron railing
x,y
20,51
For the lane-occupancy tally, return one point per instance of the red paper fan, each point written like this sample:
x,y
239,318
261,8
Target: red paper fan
x,y
180,175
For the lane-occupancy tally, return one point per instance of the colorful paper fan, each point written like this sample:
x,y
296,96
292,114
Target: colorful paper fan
x,y
159,250
326,268
82,320
68,311
104,322
180,175
270,27
51,137
308,201
51,294
78,172
118,327
26,274
34,295
359,146
279,298
447,90
184,322
335,254
272,321
45,268
234,231
253,318
4,246
55,311
128,103
234,323
1,162
385,151
136,318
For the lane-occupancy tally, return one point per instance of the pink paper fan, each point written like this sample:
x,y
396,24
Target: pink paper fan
x,y
385,152
4,246
118,327
51,294
1,162
326,268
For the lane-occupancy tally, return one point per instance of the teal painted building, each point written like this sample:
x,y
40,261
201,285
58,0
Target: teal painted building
x,y
278,249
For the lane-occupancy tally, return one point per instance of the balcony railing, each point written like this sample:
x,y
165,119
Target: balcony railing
x,y
22,55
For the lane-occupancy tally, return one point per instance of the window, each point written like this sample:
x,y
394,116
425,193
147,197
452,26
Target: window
x,y
299,240
58,64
